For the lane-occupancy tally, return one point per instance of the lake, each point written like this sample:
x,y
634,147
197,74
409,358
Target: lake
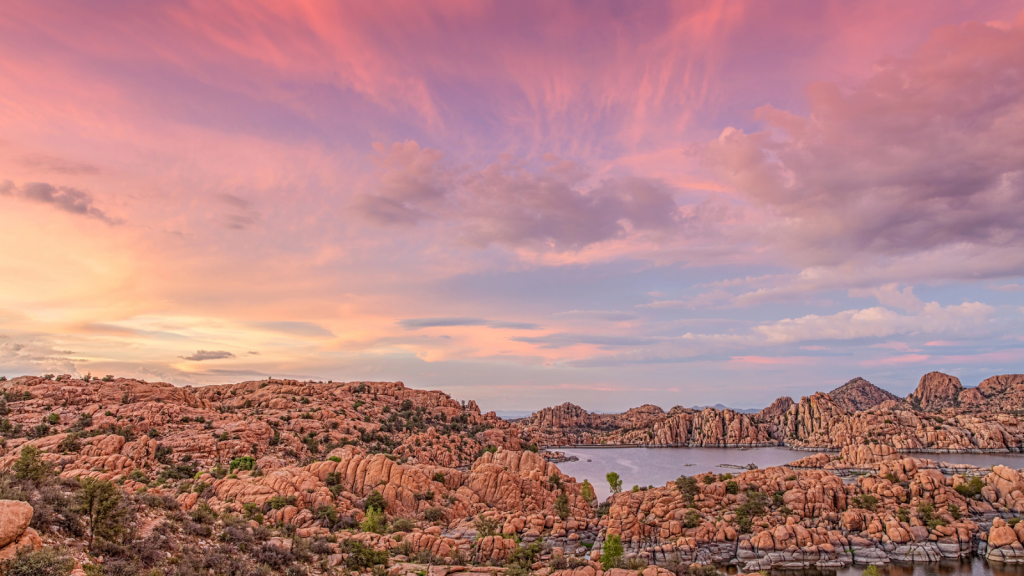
x,y
656,466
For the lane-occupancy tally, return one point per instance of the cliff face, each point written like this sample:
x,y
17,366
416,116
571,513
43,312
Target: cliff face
x,y
859,394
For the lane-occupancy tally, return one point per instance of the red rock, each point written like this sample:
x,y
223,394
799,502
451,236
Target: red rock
x,y
15,517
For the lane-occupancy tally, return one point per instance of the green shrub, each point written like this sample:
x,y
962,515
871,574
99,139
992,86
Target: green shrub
x,y
242,463
440,477
865,502
611,551
402,525
971,488
927,513
954,511
376,500
42,562
362,558
70,443
562,506
692,518
433,514
30,465
327,513
486,526
335,458
53,418
732,487
374,521
903,514
688,487
278,502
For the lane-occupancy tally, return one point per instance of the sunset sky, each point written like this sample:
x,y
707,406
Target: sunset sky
x,y
522,203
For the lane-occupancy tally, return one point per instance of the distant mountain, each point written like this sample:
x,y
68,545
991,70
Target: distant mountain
x,y
724,407
859,394
513,414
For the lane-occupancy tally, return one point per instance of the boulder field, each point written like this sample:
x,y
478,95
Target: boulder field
x,y
299,466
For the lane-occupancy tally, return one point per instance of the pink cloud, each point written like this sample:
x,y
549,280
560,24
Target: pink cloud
x,y
931,135
799,360
894,360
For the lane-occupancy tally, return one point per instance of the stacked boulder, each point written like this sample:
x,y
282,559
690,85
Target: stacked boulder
x,y
15,533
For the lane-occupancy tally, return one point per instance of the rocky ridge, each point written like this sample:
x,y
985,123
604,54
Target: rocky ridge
x,y
939,416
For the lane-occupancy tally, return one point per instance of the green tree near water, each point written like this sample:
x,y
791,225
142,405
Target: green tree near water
x,y
614,482
587,491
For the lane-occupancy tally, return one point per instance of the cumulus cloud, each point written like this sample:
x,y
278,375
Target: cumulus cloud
x,y
511,204
891,295
201,355
967,318
63,198
926,153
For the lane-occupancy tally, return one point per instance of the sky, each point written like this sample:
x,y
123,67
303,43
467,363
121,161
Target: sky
x,y
522,203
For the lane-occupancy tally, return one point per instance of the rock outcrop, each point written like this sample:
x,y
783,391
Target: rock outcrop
x,y
15,533
859,394
936,391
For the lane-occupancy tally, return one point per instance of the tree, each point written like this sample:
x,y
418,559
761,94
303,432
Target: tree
x,y
614,482
611,551
562,506
486,526
100,500
587,491
374,521
872,571
30,466
688,487
376,500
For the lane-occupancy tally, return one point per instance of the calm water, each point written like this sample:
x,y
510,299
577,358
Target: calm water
x,y
656,466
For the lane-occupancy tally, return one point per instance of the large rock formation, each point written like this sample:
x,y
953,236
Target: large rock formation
x,y
859,394
936,391
15,534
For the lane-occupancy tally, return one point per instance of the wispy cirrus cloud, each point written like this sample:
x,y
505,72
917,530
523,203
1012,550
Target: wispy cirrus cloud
x,y
418,323
201,355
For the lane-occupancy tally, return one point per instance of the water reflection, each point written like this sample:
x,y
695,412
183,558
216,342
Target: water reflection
x,y
656,466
